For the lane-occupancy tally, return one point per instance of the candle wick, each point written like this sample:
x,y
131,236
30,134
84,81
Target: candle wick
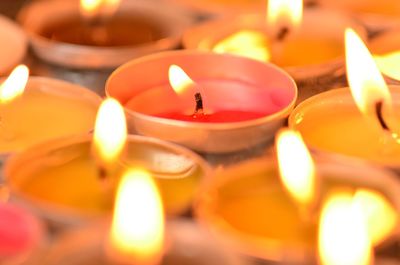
x,y
282,33
199,104
311,3
102,172
379,114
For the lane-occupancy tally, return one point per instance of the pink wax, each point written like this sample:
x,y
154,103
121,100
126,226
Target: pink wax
x,y
217,117
19,231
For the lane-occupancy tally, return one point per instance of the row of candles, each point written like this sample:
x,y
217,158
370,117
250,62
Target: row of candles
x,y
292,211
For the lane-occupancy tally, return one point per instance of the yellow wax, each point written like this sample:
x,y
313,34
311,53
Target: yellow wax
x,y
331,122
39,115
299,51
67,178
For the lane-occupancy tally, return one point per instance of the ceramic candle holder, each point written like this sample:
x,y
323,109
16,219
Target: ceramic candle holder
x,y
228,82
48,109
386,49
331,122
187,244
145,27
313,55
13,45
60,179
247,207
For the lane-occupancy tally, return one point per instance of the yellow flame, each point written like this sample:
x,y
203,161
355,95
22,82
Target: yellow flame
x,y
343,237
389,64
381,218
110,131
92,8
14,85
247,43
366,82
137,230
179,80
296,166
284,13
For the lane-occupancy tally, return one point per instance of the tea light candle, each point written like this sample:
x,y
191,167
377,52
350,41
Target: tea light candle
x,y
98,34
262,94
88,173
47,109
252,36
139,235
21,235
258,214
332,122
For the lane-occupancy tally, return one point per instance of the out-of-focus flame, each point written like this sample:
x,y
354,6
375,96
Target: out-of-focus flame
x,y
179,80
93,8
366,82
389,64
14,85
110,131
284,13
296,166
137,230
247,43
343,237
381,218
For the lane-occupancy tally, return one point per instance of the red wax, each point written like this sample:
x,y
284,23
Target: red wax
x,y
216,117
19,231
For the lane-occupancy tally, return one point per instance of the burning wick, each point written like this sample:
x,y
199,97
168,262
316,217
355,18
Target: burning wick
x,y
282,34
199,110
379,114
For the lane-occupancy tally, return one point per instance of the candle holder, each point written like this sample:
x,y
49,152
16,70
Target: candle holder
x,y
341,129
14,45
47,109
227,81
188,244
313,73
46,19
60,181
248,209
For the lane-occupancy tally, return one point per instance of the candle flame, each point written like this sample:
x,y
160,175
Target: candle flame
x,y
388,64
247,43
92,8
14,85
179,80
381,218
296,166
110,131
137,230
343,237
284,14
366,82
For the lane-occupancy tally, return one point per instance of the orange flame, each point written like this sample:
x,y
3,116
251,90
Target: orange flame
x,y
366,82
14,85
137,230
343,237
284,13
296,166
110,131
92,8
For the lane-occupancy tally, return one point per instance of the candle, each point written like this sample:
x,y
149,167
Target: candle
x,y
45,109
14,45
332,122
247,207
100,33
87,175
279,38
229,85
21,234
138,234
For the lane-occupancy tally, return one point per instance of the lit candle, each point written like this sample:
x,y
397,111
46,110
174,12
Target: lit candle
x,y
87,173
248,208
45,109
244,101
279,38
366,128
101,33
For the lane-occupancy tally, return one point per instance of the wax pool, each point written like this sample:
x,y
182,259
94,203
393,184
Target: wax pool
x,y
331,122
45,111
65,177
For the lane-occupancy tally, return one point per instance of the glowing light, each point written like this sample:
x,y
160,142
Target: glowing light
x,y
14,85
93,8
284,13
179,80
